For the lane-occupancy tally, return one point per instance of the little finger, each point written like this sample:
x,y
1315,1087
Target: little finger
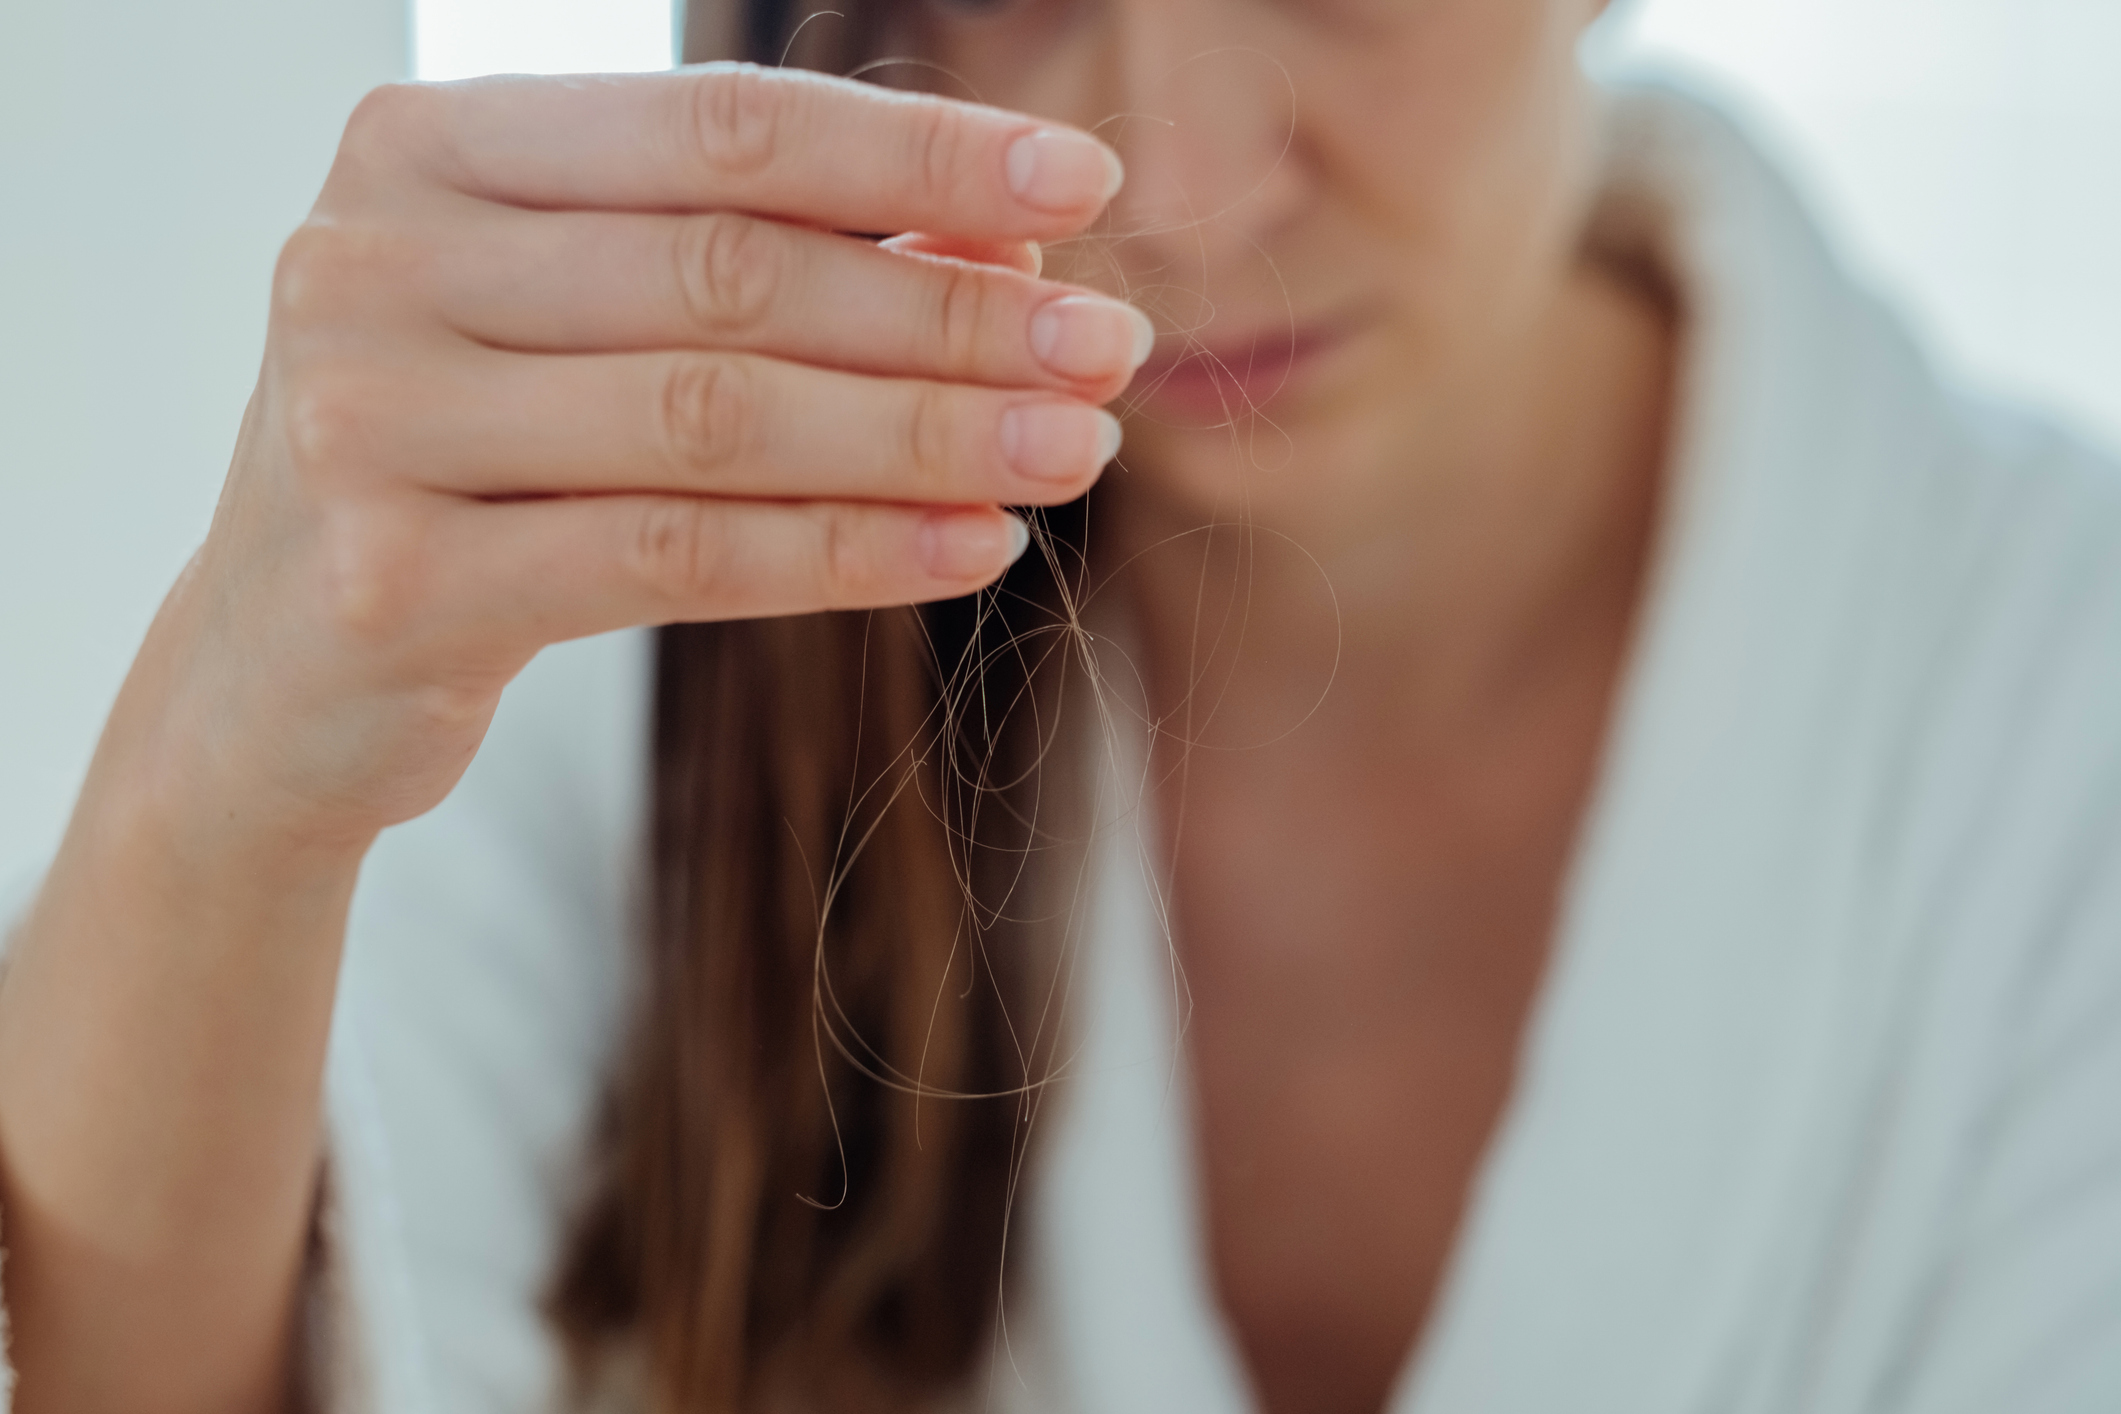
x,y
536,572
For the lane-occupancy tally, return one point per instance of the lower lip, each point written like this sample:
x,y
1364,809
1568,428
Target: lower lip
x,y
1229,381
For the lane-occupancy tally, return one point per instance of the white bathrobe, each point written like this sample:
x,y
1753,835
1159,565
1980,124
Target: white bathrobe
x,y
1820,1107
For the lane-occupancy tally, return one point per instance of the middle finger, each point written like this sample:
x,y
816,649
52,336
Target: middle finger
x,y
595,281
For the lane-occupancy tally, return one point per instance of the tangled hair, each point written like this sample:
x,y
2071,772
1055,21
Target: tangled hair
x,y
808,1151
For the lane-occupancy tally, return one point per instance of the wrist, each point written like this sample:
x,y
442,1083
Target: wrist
x,y
190,830
180,782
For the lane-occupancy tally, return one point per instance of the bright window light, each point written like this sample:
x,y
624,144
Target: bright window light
x,y
455,39
1962,151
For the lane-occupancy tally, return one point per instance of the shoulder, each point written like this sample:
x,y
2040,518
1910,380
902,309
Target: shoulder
x,y
1881,704
1995,901
1888,610
1936,573
1996,617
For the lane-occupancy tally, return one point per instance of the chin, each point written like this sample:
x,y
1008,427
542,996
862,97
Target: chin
x,y
1272,467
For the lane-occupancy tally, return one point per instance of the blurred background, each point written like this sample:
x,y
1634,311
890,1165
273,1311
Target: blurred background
x,y
1964,154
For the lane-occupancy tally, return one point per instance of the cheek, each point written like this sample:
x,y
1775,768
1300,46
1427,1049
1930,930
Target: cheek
x,y
1032,56
1452,171
1464,154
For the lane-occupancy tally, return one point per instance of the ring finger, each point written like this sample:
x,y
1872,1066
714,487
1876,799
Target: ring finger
x,y
718,424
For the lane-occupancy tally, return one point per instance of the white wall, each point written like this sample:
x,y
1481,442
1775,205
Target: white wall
x,y
152,158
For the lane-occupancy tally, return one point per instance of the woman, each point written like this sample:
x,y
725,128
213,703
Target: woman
x,y
1615,905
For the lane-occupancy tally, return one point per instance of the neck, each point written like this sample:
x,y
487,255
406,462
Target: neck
x,y
1500,554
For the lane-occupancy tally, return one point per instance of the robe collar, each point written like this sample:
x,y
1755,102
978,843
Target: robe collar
x,y
1621,1245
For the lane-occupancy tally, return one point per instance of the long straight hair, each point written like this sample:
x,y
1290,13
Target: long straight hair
x,y
794,1204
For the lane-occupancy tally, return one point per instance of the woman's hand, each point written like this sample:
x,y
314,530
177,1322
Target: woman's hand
x,y
559,356
552,356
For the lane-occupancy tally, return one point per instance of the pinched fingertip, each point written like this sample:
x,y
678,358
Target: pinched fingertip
x,y
1060,171
964,546
1088,336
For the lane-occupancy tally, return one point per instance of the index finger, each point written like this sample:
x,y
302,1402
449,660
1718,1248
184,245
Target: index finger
x,y
787,143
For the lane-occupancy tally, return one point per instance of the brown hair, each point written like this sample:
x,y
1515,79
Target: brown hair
x,y
793,1207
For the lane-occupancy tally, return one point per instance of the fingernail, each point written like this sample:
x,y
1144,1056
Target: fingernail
x,y
1144,337
1085,336
1057,170
1115,173
1055,443
970,545
1109,436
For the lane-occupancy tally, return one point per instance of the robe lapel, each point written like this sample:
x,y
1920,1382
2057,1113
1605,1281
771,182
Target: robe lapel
x,y
1625,1229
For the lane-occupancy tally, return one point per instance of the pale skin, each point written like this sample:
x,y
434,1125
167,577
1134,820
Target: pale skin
x,y
555,358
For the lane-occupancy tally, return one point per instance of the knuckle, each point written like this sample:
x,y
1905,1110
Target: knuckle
x,y
728,270
371,574
323,261
708,409
938,136
327,417
386,116
927,439
450,709
680,552
962,297
733,120
312,264
843,563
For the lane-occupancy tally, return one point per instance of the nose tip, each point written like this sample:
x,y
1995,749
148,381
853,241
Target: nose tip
x,y
1206,135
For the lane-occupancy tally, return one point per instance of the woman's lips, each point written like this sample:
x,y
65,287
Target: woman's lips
x,y
1227,378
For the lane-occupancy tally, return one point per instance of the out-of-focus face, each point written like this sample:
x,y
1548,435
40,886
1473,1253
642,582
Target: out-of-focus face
x,y
1340,214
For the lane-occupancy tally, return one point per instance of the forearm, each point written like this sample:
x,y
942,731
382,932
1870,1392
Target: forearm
x,y
163,1020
